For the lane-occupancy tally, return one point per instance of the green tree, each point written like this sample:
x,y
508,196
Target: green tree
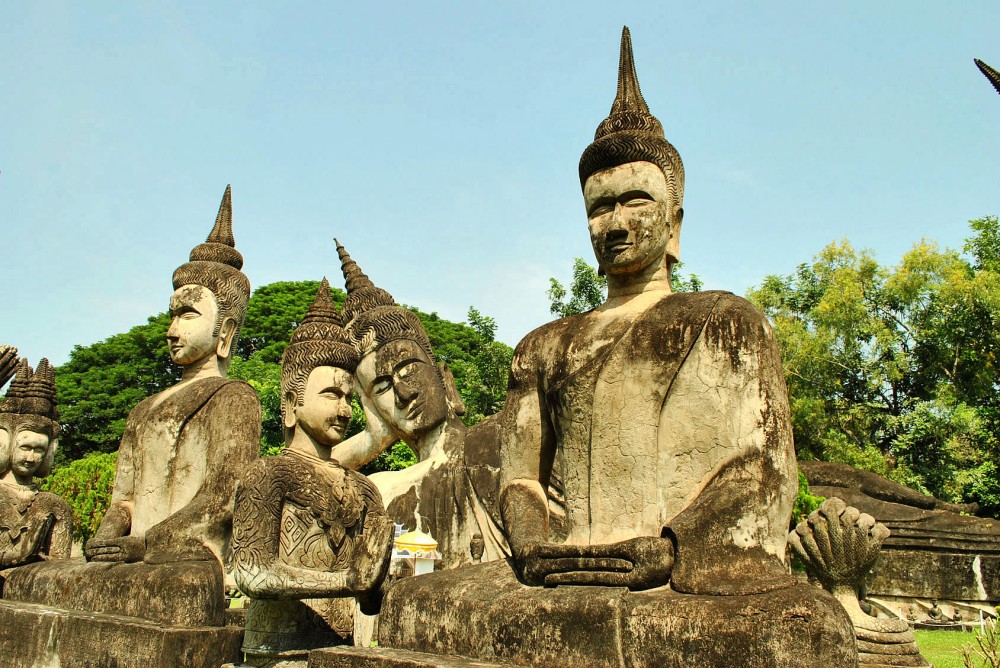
x,y
86,485
894,369
484,387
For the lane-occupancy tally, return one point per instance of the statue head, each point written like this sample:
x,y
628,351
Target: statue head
x,y
210,295
396,369
317,374
29,426
633,182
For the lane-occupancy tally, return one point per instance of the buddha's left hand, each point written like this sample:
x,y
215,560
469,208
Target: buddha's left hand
x,y
124,548
637,563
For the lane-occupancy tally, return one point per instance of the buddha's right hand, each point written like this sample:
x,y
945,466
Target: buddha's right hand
x,y
638,563
122,549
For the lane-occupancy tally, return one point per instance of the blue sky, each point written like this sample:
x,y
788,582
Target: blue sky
x,y
439,143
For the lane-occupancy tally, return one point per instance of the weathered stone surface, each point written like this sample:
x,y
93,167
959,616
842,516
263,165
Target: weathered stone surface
x,y
936,575
34,525
381,657
484,613
308,534
8,363
33,635
188,594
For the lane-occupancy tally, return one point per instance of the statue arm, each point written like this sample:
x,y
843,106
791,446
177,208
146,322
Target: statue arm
x,y
230,424
730,539
108,542
365,446
61,536
527,449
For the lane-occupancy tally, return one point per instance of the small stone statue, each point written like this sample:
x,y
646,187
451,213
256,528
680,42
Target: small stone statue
x,y
309,535
34,525
183,448
839,545
8,363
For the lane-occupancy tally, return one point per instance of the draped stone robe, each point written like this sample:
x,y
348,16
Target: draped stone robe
x,y
179,459
670,420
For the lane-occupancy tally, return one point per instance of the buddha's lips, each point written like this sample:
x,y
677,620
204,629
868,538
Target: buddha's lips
x,y
619,246
414,410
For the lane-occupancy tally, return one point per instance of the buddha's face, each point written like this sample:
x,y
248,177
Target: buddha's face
x,y
325,409
405,387
28,452
632,217
193,314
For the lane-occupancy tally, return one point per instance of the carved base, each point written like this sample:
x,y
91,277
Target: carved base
x,y
36,635
483,613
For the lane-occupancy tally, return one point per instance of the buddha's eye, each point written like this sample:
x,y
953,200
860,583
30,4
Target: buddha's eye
x,y
382,386
601,210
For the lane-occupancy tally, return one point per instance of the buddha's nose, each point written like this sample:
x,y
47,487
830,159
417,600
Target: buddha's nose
x,y
405,393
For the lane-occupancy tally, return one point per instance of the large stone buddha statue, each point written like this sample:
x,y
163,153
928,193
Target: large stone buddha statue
x,y
160,551
666,419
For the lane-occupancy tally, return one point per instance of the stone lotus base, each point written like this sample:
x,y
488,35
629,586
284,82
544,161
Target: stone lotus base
x,y
483,613
37,636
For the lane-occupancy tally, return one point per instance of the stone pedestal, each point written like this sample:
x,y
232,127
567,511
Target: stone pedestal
x,y
71,613
484,613
34,635
382,657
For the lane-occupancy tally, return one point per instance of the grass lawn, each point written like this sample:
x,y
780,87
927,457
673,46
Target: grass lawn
x,y
943,648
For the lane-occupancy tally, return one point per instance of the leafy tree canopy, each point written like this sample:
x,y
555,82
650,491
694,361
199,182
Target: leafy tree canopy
x,y
895,369
589,288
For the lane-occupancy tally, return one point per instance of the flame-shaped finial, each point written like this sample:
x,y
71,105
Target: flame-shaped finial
x,y
354,278
629,97
989,73
222,233
221,244
362,294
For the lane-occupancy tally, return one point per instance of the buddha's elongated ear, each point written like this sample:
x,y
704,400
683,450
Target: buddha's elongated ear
x,y
288,419
227,336
674,243
451,392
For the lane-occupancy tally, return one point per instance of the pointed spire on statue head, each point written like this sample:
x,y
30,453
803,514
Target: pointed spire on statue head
x,y
220,246
989,73
362,294
629,96
222,233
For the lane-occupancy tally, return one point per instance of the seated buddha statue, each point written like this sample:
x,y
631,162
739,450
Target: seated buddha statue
x,y
160,550
34,525
665,418
308,534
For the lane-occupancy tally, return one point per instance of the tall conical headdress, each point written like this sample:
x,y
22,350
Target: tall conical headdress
x,y
33,393
319,340
631,133
990,73
216,265
372,316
